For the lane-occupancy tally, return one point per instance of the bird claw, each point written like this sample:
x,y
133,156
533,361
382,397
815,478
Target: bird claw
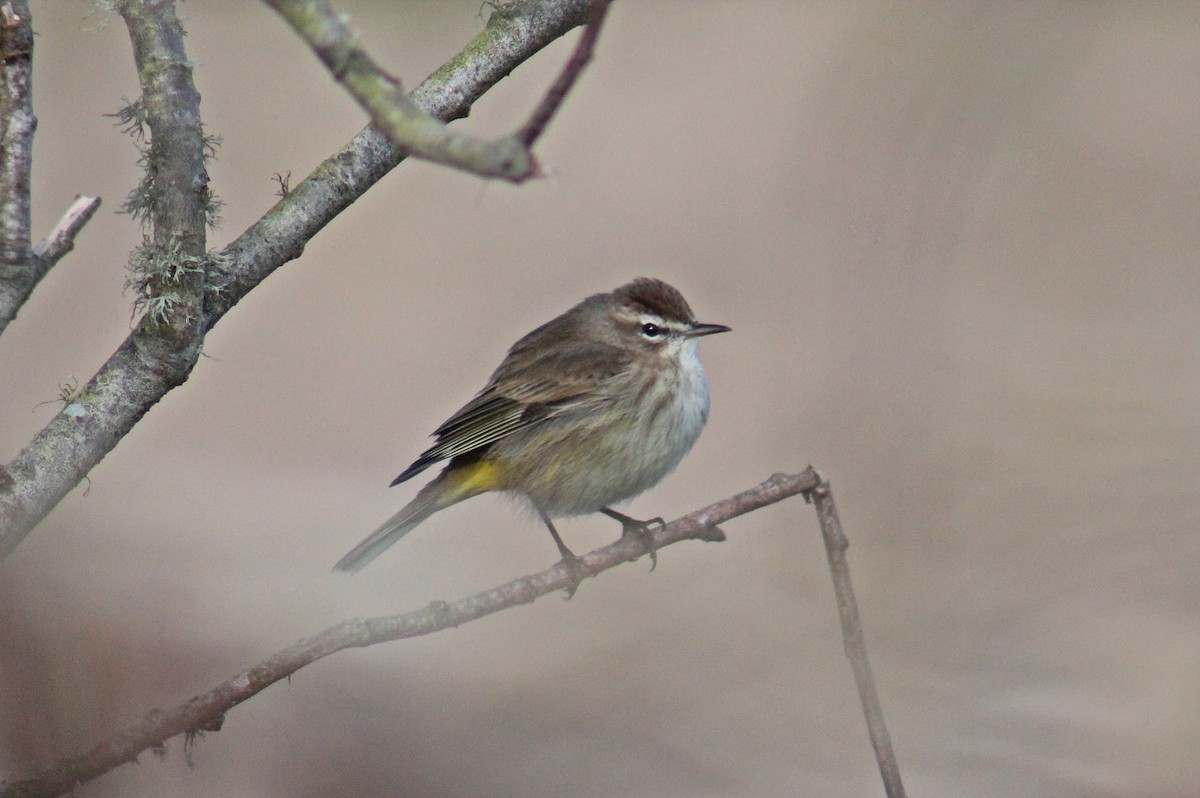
x,y
631,527
575,572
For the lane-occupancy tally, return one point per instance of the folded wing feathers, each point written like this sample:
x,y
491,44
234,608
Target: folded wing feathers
x,y
477,427
511,402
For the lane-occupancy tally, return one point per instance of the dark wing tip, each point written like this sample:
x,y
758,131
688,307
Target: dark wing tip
x,y
423,462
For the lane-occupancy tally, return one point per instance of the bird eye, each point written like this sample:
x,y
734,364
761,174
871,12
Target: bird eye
x,y
651,330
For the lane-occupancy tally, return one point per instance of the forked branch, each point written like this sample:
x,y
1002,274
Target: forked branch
x,y
408,125
206,712
23,267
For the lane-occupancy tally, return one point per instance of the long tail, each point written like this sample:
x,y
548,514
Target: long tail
x,y
449,488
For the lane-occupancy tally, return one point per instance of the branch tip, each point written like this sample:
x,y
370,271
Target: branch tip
x,y
61,238
853,641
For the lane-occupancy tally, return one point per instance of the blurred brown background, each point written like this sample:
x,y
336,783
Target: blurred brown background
x,y
957,243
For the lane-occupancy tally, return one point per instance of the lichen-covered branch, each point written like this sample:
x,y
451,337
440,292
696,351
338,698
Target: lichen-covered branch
x,y
165,345
172,198
18,269
206,712
125,388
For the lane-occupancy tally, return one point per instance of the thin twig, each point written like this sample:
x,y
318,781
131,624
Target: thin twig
x,y
856,647
555,95
61,238
206,712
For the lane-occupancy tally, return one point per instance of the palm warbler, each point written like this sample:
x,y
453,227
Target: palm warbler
x,y
591,408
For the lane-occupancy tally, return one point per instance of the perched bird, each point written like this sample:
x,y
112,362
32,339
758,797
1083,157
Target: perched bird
x,y
590,409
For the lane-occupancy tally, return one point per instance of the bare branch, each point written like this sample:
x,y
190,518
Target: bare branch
x,y
856,647
61,238
206,712
390,108
555,95
410,126
18,269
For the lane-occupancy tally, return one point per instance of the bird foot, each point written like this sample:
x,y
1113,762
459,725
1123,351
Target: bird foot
x,y
641,530
574,571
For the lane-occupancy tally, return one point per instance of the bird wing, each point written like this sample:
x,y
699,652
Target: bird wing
x,y
569,377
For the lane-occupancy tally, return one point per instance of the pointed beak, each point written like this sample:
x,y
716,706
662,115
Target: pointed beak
x,y
699,329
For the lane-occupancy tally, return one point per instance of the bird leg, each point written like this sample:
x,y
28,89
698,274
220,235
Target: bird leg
x,y
568,557
639,530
